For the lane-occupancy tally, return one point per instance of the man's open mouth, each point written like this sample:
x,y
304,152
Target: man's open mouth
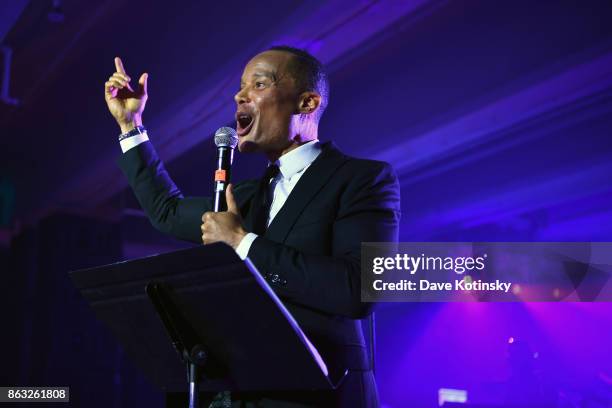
x,y
244,123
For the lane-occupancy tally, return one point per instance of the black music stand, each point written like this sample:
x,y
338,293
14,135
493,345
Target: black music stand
x,y
229,328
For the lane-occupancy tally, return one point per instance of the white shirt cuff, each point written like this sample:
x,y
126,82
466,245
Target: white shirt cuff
x,y
131,142
243,247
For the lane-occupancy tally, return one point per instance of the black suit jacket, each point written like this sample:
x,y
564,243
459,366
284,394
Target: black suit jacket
x,y
310,254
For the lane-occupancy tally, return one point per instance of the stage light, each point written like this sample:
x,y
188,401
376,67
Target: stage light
x,y
451,395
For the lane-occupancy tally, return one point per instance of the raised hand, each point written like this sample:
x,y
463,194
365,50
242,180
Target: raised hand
x,y
124,103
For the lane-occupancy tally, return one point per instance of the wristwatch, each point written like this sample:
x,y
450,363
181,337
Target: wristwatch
x,y
138,130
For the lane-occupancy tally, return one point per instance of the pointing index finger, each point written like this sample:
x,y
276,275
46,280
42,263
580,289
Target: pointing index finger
x,y
119,65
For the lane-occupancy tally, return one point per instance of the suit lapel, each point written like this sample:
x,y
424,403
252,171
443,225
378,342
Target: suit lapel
x,y
311,182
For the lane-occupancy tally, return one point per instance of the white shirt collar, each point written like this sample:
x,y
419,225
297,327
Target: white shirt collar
x,y
299,158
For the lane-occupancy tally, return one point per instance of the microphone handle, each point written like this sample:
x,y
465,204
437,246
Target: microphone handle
x,y
225,156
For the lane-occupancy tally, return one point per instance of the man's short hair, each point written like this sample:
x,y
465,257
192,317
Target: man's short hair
x,y
309,74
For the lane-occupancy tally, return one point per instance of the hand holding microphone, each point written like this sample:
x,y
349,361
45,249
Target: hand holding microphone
x,y
224,223
224,226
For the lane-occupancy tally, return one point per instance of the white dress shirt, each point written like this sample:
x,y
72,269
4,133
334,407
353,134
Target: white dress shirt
x,y
292,166
130,142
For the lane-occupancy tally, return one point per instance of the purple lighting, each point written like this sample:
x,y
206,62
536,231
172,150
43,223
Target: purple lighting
x,y
481,347
495,115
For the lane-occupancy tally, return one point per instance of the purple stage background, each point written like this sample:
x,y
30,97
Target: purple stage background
x,y
497,116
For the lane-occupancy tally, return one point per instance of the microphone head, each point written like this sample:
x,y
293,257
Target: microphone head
x,y
226,137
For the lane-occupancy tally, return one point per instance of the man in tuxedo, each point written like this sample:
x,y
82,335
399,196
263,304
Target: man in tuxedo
x,y
301,225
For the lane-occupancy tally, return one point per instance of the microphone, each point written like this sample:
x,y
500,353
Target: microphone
x,y
226,141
